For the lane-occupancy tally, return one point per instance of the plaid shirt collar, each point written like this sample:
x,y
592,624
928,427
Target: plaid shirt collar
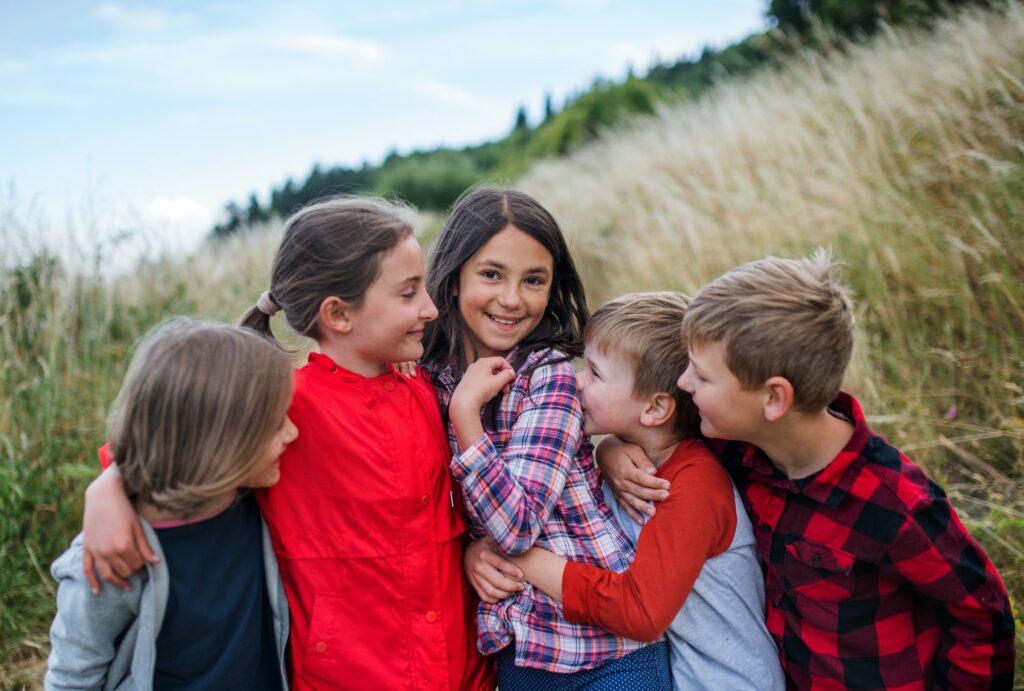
x,y
830,485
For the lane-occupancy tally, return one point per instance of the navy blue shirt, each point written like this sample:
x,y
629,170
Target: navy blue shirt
x,y
218,631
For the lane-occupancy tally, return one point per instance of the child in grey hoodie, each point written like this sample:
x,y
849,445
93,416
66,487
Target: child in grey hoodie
x,y
201,415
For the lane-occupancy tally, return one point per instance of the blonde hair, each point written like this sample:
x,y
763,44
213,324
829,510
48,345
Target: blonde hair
x,y
645,330
197,406
779,317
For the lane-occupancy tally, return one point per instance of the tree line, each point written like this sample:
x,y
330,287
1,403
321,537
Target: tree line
x,y
432,179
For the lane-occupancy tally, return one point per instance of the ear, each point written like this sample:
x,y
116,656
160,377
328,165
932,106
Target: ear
x,y
778,398
335,315
660,409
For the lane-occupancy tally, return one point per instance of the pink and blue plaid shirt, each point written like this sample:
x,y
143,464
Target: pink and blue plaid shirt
x,y
531,480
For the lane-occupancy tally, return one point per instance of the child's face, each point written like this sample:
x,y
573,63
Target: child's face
x,y
606,393
503,291
268,472
727,410
388,325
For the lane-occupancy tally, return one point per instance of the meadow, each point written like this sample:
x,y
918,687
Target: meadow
x,y
904,154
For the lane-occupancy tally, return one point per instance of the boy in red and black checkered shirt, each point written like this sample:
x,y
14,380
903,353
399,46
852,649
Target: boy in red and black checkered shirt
x,y
872,581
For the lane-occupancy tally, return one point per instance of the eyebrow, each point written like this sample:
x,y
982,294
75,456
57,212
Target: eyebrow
x,y
410,279
498,265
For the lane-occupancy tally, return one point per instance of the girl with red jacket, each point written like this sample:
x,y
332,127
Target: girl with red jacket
x,y
366,523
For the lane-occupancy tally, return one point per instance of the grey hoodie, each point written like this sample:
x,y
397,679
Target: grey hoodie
x,y
108,640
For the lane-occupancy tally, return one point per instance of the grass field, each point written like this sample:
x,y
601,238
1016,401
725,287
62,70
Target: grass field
x,y
906,155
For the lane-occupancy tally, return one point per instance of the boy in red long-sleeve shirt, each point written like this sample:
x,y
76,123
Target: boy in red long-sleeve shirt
x,y
695,573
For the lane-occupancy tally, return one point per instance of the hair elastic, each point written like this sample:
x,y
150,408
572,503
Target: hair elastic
x,y
267,304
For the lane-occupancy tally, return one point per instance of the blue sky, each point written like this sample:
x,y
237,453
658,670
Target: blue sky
x,y
162,112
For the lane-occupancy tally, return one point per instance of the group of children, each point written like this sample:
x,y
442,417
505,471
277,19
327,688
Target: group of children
x,y
365,523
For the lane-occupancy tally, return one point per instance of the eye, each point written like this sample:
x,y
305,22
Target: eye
x,y
410,295
535,281
490,274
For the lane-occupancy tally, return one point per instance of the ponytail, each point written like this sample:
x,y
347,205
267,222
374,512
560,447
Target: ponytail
x,y
258,318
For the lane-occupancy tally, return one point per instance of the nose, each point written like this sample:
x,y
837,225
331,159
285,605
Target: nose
x,y
509,298
291,432
684,381
429,310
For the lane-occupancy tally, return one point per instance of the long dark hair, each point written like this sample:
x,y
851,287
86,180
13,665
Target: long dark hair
x,y
330,248
477,216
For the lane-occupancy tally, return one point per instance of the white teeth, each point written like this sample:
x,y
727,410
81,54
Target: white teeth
x,y
504,322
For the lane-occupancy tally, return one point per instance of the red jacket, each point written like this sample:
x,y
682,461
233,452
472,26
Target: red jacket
x,y
368,532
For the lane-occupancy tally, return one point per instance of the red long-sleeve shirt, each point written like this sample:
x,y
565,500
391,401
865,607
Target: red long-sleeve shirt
x,y
696,522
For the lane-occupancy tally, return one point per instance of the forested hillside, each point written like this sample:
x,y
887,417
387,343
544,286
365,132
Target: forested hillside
x,y
432,179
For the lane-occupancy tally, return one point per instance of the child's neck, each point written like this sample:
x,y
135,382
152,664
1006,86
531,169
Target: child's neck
x,y
154,514
659,443
335,349
803,444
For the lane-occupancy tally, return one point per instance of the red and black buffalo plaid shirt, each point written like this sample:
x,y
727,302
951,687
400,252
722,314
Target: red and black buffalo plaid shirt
x,y
871,580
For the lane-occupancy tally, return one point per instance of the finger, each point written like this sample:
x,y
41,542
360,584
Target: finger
x,y
632,513
501,565
90,573
646,480
107,574
640,508
643,493
127,562
145,551
501,586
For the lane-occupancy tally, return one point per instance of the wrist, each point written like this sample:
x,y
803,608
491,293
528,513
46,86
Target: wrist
x,y
461,411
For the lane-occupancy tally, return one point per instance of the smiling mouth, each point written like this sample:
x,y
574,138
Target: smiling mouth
x,y
503,321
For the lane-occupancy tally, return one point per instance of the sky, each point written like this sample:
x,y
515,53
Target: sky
x,y
115,114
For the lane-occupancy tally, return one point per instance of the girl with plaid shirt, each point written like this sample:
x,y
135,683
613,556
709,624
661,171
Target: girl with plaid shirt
x,y
511,316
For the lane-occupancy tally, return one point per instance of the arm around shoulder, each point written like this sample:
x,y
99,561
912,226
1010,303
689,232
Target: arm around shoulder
x,y
87,626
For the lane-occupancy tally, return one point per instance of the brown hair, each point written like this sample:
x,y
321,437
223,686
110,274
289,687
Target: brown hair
x,y
779,317
330,248
644,329
198,404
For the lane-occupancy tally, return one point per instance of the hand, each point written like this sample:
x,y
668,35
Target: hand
x,y
408,368
492,576
114,546
482,382
630,474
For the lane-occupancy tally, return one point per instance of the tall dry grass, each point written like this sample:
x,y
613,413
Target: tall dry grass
x,y
906,155
66,332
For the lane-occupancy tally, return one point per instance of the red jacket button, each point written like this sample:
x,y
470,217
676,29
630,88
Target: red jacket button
x,y
321,647
431,616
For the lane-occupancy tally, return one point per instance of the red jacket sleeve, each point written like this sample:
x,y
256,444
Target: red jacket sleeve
x,y
696,522
106,458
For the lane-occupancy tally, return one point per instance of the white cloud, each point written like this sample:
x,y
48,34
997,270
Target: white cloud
x,y
178,209
447,93
360,49
139,20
